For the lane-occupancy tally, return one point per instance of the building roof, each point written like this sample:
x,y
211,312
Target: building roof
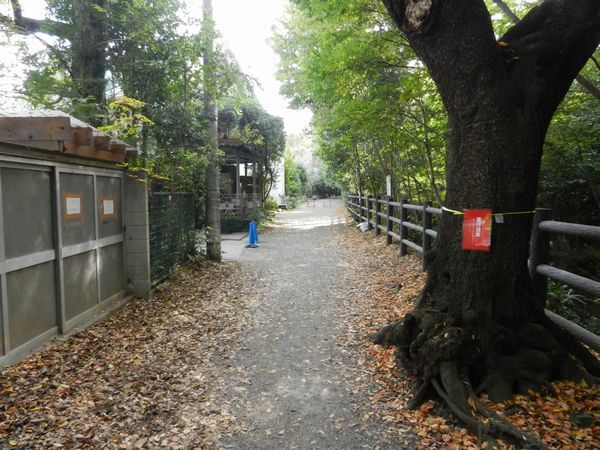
x,y
235,149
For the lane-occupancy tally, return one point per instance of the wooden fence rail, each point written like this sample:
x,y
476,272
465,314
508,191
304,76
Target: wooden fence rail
x,y
397,226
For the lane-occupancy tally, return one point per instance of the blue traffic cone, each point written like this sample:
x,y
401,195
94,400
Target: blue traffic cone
x,y
252,240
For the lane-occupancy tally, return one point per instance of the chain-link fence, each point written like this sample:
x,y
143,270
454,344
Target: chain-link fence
x,y
172,231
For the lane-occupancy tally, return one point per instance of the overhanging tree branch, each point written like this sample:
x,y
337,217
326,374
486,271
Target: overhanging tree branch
x,y
583,81
27,25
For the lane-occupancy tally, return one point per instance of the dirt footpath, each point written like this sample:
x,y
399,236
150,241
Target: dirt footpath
x,y
292,384
258,353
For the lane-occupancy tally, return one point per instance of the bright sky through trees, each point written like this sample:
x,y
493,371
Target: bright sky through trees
x,y
245,28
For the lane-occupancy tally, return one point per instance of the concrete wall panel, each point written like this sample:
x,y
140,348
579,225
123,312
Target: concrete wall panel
x,y
112,279
81,284
31,302
27,211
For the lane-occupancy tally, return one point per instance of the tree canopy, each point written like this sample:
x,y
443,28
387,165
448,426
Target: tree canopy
x,y
135,67
376,109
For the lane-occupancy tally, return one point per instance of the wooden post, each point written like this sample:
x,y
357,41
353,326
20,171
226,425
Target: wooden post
x,y
359,202
402,231
390,225
377,216
539,253
370,225
426,237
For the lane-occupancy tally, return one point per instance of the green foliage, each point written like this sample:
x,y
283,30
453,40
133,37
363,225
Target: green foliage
x,y
127,121
570,178
563,301
376,112
570,174
177,171
295,179
270,205
292,202
154,83
263,218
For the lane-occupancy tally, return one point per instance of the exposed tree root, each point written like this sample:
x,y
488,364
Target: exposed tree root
x,y
446,359
456,391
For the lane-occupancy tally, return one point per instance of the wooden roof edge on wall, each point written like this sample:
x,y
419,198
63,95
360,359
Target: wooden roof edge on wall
x,y
57,131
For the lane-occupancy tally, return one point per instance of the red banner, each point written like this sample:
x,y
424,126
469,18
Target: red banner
x,y
477,229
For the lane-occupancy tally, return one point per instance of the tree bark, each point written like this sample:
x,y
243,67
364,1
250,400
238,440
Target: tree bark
x,y
89,49
213,211
478,309
588,85
87,62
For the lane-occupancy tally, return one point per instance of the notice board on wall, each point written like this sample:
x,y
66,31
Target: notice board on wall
x,y
108,208
73,205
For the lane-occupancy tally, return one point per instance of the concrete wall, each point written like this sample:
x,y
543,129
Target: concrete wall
x,y
137,244
61,270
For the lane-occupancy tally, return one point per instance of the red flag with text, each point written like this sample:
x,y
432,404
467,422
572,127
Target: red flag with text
x,y
477,229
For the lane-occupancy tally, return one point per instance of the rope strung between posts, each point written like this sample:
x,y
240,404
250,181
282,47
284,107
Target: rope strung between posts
x,y
512,213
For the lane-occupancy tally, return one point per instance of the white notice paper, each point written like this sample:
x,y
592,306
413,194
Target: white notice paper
x,y
388,185
108,206
73,206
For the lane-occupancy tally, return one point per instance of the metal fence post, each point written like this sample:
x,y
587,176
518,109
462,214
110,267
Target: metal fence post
x,y
377,216
402,231
539,253
370,225
426,237
389,227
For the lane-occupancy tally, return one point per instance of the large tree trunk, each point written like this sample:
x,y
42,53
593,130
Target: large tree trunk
x,y
87,35
88,49
479,323
213,212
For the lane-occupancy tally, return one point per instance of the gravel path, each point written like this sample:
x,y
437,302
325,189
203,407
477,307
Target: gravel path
x,y
290,389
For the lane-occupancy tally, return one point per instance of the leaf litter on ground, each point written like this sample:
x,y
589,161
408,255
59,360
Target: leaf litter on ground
x,y
145,377
150,375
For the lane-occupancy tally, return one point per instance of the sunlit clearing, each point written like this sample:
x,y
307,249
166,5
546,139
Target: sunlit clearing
x,y
306,223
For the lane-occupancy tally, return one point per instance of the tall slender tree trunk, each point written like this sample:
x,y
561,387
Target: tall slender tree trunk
x,y
479,325
89,49
357,169
213,212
